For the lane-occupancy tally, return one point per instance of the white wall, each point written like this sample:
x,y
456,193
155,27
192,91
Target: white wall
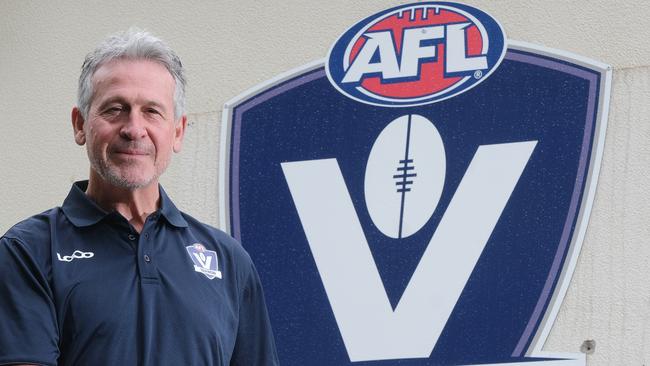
x,y
230,46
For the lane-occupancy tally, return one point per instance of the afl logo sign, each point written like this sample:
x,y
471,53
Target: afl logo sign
x,y
416,54
430,224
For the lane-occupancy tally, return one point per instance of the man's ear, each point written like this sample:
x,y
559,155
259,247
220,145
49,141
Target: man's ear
x,y
179,132
78,126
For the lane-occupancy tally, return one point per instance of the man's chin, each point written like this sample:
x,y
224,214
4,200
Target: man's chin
x,y
131,177
130,182
131,185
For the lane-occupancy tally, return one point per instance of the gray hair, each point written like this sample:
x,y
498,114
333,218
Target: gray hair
x,y
134,44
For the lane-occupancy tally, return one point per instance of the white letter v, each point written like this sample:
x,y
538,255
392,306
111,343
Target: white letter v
x,y
371,330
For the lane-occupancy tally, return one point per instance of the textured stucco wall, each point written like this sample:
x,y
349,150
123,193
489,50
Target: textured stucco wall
x,y
230,46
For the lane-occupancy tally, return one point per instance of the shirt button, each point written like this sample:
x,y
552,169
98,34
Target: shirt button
x,y
146,236
147,259
131,237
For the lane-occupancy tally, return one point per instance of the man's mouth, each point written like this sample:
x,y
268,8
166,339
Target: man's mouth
x,y
131,152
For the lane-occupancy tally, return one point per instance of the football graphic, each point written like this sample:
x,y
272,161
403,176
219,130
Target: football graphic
x,y
405,175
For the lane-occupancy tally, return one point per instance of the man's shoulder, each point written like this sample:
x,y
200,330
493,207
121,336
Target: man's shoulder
x,y
32,236
32,230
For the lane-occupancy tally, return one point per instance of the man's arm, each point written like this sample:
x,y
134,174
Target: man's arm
x,y
28,331
254,344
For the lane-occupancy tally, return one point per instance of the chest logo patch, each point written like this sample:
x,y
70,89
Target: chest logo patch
x,y
205,261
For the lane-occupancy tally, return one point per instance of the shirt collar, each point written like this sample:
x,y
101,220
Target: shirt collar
x,y
79,209
82,211
169,210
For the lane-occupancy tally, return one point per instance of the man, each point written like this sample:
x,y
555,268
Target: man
x,y
118,275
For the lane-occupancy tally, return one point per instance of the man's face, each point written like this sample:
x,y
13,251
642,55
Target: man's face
x,y
130,131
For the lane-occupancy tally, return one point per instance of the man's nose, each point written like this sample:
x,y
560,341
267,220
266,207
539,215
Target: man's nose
x,y
134,126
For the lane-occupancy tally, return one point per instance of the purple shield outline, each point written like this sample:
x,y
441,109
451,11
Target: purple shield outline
x,y
599,77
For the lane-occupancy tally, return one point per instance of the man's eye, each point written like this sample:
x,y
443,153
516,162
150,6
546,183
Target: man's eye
x,y
113,110
153,111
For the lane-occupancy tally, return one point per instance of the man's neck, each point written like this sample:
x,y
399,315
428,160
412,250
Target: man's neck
x,y
134,204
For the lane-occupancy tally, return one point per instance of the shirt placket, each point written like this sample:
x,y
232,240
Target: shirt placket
x,y
149,280
144,247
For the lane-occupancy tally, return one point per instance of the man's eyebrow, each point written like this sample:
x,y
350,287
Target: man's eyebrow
x,y
115,99
153,103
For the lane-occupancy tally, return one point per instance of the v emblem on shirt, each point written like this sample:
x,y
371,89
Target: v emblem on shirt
x,y
205,261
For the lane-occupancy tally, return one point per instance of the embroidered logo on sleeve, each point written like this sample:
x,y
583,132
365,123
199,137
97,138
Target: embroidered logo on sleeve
x,y
205,261
77,254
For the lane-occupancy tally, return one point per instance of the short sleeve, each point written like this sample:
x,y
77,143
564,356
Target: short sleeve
x,y
254,344
28,326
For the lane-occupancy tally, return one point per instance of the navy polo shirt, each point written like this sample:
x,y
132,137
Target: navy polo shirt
x,y
79,286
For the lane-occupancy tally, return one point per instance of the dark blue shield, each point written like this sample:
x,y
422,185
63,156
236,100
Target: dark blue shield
x,y
480,277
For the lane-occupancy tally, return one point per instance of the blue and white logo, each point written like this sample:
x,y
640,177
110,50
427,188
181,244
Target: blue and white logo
x,y
205,261
439,234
